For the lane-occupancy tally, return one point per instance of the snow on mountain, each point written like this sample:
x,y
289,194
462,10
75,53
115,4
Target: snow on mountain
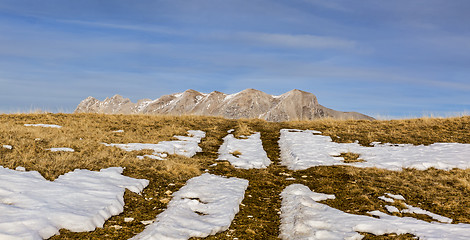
x,y
249,103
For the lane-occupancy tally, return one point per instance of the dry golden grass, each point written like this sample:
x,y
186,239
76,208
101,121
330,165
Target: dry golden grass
x,y
236,153
357,190
242,129
350,157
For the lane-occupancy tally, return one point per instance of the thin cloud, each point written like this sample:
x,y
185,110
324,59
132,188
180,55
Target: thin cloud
x,y
328,4
140,28
295,40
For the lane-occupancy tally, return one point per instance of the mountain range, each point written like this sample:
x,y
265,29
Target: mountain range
x,y
249,103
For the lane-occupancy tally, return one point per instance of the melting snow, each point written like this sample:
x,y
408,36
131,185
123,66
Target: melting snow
x,y
411,209
34,208
395,196
302,217
302,149
185,146
204,206
251,149
64,149
43,125
386,199
392,209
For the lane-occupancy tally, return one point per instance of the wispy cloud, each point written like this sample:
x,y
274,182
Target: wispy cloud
x,y
130,27
328,4
292,40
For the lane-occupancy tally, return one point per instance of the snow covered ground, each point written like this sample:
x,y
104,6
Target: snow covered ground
x,y
302,217
252,154
185,146
301,149
43,125
63,149
204,206
32,207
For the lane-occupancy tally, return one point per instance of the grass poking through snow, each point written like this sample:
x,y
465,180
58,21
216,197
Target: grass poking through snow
x,y
357,189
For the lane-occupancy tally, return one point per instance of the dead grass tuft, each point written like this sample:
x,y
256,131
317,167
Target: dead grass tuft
x,y
236,153
350,157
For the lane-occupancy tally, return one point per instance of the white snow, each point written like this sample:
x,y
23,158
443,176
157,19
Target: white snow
x,y
302,217
185,146
396,196
392,209
204,206
63,149
411,209
228,97
119,131
43,125
386,199
7,147
143,105
417,210
251,149
301,149
20,168
32,207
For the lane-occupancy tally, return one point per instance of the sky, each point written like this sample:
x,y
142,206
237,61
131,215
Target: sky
x,y
389,59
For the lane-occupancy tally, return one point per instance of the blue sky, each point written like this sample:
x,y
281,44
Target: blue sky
x,y
383,58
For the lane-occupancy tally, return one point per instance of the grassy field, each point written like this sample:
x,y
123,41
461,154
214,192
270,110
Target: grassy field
x,y
443,192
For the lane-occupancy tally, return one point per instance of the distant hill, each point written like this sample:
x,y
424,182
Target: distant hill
x,y
249,103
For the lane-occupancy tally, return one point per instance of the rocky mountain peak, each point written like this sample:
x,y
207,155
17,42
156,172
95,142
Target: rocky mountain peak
x,y
249,103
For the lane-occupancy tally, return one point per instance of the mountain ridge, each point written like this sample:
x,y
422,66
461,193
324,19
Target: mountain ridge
x,y
249,103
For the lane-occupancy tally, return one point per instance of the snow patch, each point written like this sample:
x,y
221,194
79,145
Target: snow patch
x,y
252,154
185,146
204,206
228,97
386,199
34,208
302,217
302,149
63,149
396,196
411,209
8,147
119,131
43,125
392,209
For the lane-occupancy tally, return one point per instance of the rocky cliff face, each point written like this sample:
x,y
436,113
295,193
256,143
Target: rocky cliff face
x,y
249,103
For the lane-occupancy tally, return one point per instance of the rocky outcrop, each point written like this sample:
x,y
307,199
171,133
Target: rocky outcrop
x,y
249,103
